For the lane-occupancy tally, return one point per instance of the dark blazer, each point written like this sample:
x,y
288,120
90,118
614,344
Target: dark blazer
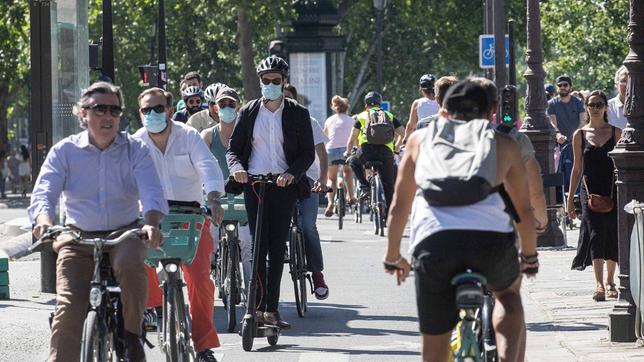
x,y
298,139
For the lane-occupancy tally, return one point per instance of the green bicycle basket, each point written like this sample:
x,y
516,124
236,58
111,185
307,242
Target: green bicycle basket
x,y
181,233
234,208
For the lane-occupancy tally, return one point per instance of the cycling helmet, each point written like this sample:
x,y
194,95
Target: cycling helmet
x,y
191,91
210,94
373,99
427,82
273,64
549,88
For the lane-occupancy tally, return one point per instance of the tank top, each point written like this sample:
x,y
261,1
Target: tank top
x,y
426,108
219,151
485,215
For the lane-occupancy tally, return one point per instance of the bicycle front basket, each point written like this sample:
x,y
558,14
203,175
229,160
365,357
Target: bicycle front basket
x,y
181,234
234,208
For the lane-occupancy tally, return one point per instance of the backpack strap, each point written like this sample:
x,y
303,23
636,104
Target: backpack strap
x,y
507,200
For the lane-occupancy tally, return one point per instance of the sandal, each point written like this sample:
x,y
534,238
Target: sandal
x,y
599,295
329,210
611,291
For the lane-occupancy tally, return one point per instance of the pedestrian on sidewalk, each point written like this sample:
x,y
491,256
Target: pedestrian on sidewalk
x,y
592,165
24,170
12,163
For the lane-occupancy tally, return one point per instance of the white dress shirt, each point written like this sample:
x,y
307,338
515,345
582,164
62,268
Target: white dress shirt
x,y
267,152
318,137
186,165
616,113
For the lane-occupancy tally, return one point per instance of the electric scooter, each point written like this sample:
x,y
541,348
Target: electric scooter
x,y
251,328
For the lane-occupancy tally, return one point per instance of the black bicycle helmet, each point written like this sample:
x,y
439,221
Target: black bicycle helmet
x,y
210,94
373,99
272,64
427,81
191,91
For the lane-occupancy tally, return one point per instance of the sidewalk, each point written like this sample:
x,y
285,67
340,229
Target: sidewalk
x,y
564,323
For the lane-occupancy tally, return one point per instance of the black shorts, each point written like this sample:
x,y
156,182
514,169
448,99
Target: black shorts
x,y
445,254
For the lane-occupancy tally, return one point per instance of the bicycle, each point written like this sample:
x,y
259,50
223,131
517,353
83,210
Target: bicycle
x,y
473,338
181,230
297,263
377,203
228,275
103,329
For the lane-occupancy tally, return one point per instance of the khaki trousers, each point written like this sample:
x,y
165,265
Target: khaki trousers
x,y
74,269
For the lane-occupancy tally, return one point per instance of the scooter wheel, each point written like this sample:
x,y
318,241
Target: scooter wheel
x,y
247,335
272,340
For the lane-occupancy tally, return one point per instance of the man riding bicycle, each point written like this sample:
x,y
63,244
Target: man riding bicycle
x,y
376,148
459,220
102,174
273,136
185,164
193,98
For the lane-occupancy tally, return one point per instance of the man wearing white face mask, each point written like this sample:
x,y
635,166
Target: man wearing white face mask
x,y
218,138
185,167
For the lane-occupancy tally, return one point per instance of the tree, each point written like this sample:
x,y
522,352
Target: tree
x,y
14,62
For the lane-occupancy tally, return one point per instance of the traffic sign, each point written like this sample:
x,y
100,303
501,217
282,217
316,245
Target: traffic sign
x,y
384,105
486,50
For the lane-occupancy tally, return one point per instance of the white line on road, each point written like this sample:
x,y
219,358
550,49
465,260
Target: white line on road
x,y
324,357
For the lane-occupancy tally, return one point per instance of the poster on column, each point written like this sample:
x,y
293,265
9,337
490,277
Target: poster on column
x,y
308,75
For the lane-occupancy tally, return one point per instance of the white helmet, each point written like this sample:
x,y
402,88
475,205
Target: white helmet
x,y
211,91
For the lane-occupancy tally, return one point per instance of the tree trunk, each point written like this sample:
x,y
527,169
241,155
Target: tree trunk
x,y
5,100
245,44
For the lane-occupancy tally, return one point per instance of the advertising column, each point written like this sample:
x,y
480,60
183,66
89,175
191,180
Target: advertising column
x,y
308,75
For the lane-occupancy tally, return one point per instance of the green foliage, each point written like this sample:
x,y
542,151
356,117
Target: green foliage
x,y
585,39
14,58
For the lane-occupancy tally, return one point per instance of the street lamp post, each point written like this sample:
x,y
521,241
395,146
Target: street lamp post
x,y
628,156
536,125
379,5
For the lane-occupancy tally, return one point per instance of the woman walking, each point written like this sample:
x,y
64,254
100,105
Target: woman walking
x,y
338,128
24,169
595,169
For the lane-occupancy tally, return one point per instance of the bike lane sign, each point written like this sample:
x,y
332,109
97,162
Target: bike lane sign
x,y
486,50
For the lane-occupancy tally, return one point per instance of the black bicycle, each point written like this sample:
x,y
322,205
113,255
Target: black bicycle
x,y
297,262
340,199
228,275
473,338
377,203
103,329
181,230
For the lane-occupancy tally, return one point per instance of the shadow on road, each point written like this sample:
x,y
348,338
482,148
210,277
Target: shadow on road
x,y
579,326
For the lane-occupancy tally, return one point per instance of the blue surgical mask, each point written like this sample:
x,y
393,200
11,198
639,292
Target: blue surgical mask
x,y
227,114
155,122
271,91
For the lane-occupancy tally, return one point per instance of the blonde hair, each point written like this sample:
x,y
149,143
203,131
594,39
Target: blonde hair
x,y
339,104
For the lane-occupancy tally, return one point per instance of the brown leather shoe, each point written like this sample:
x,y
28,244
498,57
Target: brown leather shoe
x,y
133,348
274,319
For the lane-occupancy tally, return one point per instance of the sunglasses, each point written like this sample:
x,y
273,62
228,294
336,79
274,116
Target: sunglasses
x,y
563,85
157,109
194,102
596,105
102,109
276,81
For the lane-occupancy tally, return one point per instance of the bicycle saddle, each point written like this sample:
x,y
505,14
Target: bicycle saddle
x,y
469,290
338,162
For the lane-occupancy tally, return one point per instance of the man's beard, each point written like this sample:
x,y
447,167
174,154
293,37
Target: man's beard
x,y
193,110
563,93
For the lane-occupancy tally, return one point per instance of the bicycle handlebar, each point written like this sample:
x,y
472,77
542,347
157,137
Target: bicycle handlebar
x,y
53,232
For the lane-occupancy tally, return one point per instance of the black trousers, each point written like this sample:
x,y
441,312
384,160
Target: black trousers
x,y
279,203
382,154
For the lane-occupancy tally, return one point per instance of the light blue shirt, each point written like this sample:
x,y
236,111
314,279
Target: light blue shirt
x,y
101,188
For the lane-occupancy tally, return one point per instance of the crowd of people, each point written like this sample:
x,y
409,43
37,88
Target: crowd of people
x,y
462,180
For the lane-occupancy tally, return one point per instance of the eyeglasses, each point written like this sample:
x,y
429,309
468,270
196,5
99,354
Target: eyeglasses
x,y
596,105
276,81
563,85
194,101
102,109
157,109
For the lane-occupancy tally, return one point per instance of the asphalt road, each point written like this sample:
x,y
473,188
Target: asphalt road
x,y
366,317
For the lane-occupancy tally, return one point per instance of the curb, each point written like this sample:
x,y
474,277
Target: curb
x,y
16,226
16,247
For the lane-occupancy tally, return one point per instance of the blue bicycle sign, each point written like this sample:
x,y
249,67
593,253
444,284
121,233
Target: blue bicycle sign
x,y
486,51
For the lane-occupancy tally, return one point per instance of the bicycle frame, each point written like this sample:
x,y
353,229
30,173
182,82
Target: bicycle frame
x,y
175,314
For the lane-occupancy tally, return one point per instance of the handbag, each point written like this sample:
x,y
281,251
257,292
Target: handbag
x,y
600,203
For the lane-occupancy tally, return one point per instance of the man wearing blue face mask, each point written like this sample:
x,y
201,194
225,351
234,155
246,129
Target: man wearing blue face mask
x,y
186,169
273,136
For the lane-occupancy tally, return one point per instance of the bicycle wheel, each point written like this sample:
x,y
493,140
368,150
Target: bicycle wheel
x,y
223,271
247,332
375,214
169,321
93,345
183,325
487,337
380,207
294,268
341,206
231,286
301,263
